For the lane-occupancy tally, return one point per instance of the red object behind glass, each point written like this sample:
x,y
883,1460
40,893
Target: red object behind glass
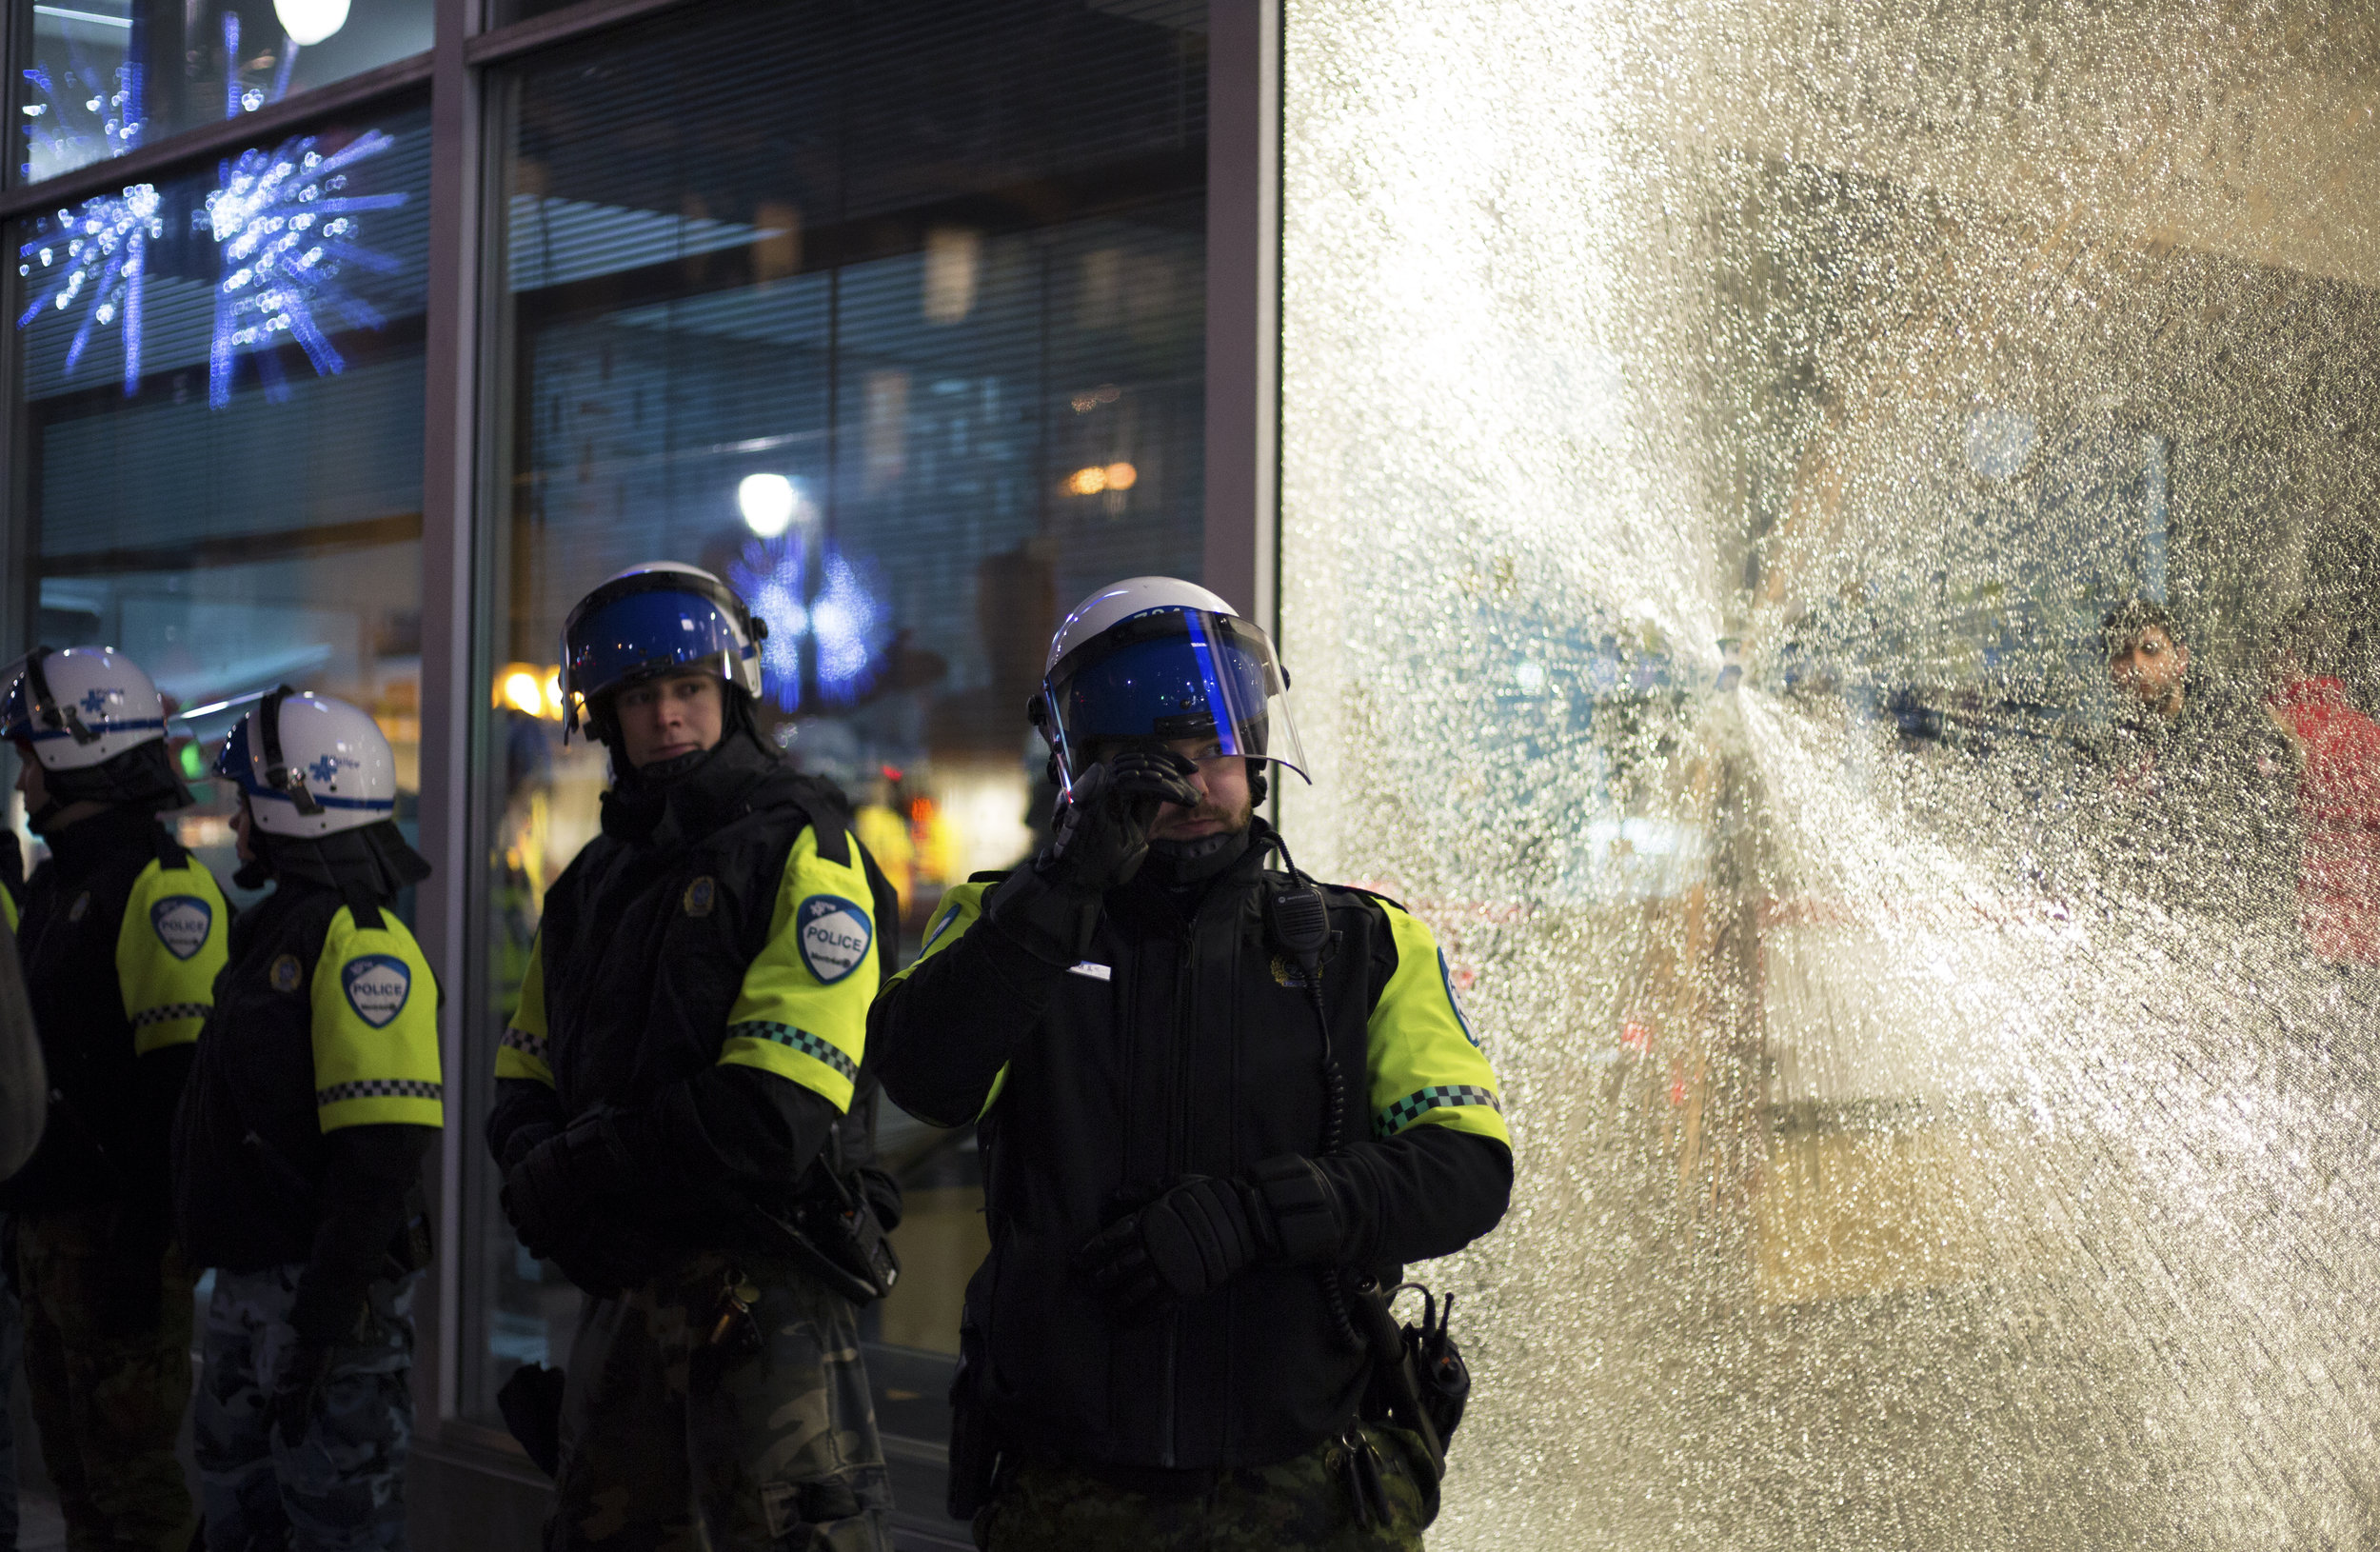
x,y
2338,802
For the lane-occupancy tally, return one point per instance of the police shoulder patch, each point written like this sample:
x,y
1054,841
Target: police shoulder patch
x,y
833,935
700,896
181,923
377,985
285,973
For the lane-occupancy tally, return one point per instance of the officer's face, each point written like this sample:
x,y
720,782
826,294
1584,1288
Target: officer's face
x,y
663,719
1221,781
28,779
2151,670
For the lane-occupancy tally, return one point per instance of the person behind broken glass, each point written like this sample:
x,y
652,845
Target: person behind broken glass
x,y
2194,789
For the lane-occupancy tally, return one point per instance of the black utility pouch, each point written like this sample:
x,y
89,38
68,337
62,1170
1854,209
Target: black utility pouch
x,y
1419,1382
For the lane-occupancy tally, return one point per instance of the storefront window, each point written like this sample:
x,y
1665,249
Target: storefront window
x,y
893,318
220,413
110,76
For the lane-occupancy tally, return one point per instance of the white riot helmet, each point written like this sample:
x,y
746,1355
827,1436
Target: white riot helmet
x,y
82,706
310,765
1160,658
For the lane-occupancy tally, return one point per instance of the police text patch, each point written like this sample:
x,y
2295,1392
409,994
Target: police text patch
x,y
181,922
833,934
377,985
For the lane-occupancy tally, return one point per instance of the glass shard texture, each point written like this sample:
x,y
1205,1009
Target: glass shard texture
x,y
1829,553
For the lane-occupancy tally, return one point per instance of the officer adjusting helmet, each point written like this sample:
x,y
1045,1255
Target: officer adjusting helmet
x,y
96,724
1160,658
321,786
655,618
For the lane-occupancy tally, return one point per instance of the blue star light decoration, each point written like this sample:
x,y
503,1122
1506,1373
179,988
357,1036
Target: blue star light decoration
x,y
286,229
844,621
98,255
82,117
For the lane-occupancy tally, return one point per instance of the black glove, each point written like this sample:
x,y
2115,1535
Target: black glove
x,y
1202,1232
1197,1236
1103,833
297,1393
566,1200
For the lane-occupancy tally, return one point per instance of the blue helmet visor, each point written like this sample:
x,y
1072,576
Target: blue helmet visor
x,y
1174,674
638,635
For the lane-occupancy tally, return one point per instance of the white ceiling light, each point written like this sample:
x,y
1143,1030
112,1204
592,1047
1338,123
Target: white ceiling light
x,y
767,502
309,21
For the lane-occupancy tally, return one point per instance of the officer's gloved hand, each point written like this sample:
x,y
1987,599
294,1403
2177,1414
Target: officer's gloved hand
x,y
1197,1236
566,1200
297,1393
1103,828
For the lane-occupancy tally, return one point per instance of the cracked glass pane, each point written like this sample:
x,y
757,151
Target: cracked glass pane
x,y
1829,551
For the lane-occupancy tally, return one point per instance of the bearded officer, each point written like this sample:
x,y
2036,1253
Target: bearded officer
x,y
122,935
682,1079
299,1146
1186,1181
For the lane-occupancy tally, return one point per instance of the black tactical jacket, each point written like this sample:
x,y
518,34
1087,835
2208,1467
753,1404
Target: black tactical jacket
x,y
648,945
97,982
1182,1047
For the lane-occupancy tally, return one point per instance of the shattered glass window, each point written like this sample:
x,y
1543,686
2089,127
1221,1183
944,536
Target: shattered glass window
x,y
1829,553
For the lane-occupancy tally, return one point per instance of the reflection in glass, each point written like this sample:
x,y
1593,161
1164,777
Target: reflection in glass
x,y
268,536
833,305
108,76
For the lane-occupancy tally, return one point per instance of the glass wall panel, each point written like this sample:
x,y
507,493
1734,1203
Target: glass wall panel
x,y
105,77
893,316
1778,457
220,408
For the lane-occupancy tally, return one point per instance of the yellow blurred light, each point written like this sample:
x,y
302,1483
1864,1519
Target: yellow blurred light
x,y
1087,482
553,693
1122,476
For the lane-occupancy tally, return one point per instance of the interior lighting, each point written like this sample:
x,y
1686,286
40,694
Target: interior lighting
x,y
1122,476
309,21
521,692
767,502
1087,482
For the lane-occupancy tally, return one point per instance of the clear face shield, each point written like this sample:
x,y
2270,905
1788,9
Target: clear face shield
x,y
1168,675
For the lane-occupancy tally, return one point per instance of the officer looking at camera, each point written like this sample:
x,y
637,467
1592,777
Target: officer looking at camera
x,y
1216,1103
122,935
299,1146
682,1110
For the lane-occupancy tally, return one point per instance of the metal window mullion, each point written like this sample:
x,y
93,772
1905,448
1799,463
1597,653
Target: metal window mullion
x,y
1243,542
449,443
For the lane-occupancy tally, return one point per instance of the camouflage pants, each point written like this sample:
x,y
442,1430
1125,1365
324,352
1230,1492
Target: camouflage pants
x,y
108,1405
1301,1503
341,1488
672,1444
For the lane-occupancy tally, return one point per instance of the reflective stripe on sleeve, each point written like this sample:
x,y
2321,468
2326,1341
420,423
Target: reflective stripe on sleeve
x,y
802,1012
526,1051
1425,1067
174,939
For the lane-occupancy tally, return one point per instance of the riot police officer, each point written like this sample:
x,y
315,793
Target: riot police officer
x,y
299,1145
1214,1100
122,935
680,1083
